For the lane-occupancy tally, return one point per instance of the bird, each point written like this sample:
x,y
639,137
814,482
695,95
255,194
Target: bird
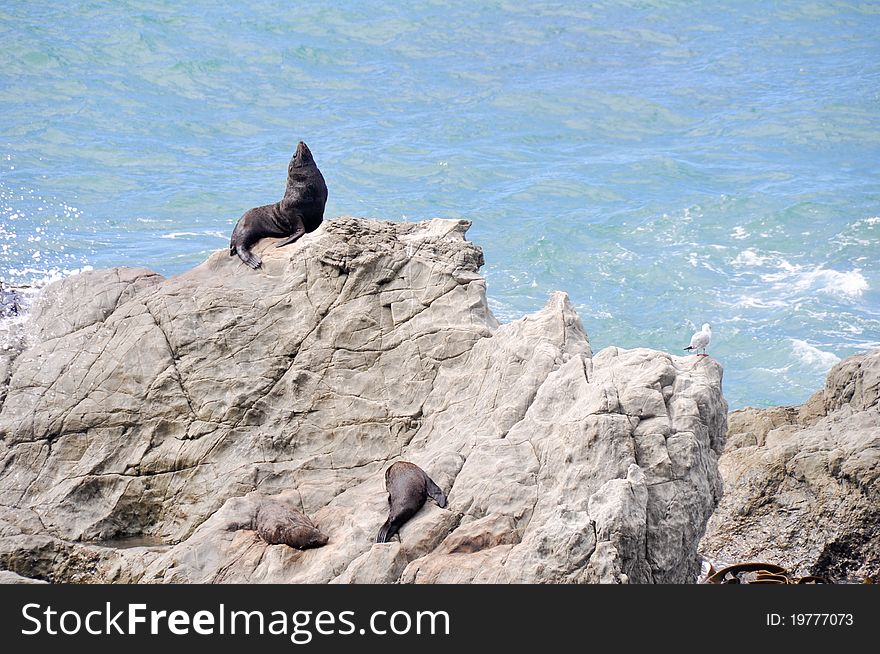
x,y
700,340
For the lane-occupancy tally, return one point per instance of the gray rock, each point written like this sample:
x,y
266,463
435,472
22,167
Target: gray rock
x,y
171,408
7,577
86,299
802,485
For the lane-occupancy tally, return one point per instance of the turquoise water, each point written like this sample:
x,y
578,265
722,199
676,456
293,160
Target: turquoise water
x,y
665,163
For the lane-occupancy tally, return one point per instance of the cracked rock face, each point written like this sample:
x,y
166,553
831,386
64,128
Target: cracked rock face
x,y
802,484
166,408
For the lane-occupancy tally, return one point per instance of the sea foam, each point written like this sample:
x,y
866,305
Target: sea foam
x,y
812,356
847,285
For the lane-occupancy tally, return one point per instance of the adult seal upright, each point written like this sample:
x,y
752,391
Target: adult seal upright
x,y
408,487
300,211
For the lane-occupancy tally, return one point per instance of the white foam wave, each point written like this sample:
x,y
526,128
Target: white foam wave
x,y
849,285
12,327
789,279
37,278
751,259
812,356
752,302
214,233
179,234
775,371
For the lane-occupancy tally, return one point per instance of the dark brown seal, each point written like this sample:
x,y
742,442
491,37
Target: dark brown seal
x,y
408,487
282,525
300,211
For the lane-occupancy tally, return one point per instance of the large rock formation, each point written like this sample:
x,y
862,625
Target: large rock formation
x,y
165,409
802,484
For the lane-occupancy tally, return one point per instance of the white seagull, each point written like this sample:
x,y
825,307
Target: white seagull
x,y
700,340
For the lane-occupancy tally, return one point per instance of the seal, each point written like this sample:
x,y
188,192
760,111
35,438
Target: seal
x,y
300,211
408,487
282,525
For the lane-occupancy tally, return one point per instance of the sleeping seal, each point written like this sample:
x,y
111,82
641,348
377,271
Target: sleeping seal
x,y
281,525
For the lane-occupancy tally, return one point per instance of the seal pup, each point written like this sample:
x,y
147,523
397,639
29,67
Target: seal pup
x,y
300,211
408,487
282,525
700,340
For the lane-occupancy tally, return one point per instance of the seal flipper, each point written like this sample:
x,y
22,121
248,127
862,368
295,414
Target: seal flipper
x,y
385,533
435,492
288,210
241,249
292,238
249,258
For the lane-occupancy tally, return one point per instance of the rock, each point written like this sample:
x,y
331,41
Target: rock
x,y
750,426
802,484
7,577
381,564
855,382
86,299
171,409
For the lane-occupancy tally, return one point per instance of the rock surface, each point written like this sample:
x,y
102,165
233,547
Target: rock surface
x,y
165,409
7,577
802,484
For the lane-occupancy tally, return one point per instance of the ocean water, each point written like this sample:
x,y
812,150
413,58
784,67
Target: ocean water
x,y
665,163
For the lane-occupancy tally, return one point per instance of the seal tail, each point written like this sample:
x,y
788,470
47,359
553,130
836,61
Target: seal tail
x,y
435,492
